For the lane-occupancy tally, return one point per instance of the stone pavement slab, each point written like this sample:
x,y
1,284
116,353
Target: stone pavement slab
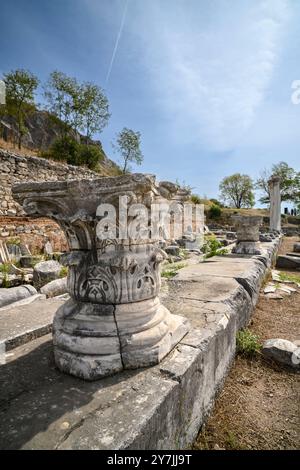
x,y
161,407
22,323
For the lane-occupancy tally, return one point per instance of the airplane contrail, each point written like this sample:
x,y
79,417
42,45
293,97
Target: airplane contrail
x,y
117,41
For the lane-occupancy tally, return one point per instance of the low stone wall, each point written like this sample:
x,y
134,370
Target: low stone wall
x,y
161,407
15,168
32,232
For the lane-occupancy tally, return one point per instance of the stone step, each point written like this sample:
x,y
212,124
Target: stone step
x,y
20,324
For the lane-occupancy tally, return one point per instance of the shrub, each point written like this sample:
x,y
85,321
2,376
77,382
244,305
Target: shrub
x,y
90,155
69,150
247,343
4,270
172,269
212,247
214,212
217,202
65,149
195,199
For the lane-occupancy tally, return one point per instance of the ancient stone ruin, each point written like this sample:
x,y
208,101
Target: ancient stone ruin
x,y
114,319
247,234
275,204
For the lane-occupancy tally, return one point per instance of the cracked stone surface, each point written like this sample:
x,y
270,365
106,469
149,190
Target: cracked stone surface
x,y
19,324
161,407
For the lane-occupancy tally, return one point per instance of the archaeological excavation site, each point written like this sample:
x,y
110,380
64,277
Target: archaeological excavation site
x,y
150,230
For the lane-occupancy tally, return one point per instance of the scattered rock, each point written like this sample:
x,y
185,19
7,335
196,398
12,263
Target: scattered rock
x,y
46,271
265,237
269,289
28,261
274,296
172,250
231,235
296,247
288,262
282,351
288,289
54,288
14,294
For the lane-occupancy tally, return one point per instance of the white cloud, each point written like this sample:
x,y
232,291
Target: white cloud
x,y
212,63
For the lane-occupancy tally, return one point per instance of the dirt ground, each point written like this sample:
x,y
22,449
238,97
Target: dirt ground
x,y
259,406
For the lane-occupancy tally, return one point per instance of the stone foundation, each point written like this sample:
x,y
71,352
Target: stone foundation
x,y
162,407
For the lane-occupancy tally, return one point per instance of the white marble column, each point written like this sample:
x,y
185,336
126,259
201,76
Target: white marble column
x,y
275,204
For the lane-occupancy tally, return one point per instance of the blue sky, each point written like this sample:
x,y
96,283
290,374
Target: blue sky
x,y
207,83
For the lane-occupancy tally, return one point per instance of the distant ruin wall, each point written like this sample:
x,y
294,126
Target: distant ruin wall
x,y
15,168
32,232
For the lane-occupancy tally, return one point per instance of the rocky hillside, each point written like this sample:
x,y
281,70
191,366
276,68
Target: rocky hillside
x,y
42,131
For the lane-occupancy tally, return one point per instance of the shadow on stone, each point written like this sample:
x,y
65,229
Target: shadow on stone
x,y
32,398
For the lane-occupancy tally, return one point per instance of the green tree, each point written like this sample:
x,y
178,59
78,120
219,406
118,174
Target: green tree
x,y
237,190
93,109
20,88
62,94
289,183
127,144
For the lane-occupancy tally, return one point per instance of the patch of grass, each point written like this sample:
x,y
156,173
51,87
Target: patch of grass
x,y
232,441
212,247
13,241
37,259
290,277
4,270
247,343
183,253
172,269
63,272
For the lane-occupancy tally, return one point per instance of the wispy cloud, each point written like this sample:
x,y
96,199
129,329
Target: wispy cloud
x,y
212,63
117,41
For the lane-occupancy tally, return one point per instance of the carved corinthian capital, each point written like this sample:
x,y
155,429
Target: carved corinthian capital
x,y
247,227
114,319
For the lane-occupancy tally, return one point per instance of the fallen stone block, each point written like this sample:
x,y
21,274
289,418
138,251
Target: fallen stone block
x,y
283,352
296,247
269,289
28,261
297,255
288,262
13,294
274,296
172,250
265,237
54,288
46,271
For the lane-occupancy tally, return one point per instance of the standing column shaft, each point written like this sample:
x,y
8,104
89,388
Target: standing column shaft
x,y
275,204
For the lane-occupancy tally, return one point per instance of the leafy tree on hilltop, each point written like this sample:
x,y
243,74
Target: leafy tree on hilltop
x,y
20,88
237,190
93,109
62,94
289,183
127,144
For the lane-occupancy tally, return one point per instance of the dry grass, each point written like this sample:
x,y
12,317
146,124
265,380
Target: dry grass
x,y
258,407
14,148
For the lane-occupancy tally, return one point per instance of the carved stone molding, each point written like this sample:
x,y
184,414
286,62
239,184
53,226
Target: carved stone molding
x,y
247,227
114,319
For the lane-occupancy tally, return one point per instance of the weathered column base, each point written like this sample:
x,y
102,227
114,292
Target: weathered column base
x,y
247,248
92,341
